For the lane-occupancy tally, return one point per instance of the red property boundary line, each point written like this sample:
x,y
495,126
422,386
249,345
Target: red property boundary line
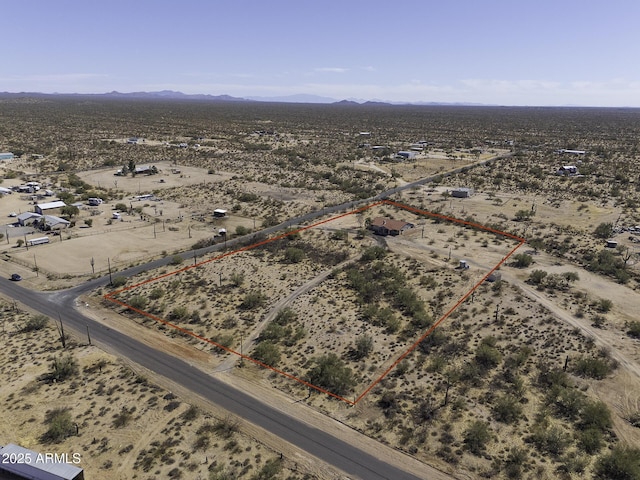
x,y
111,296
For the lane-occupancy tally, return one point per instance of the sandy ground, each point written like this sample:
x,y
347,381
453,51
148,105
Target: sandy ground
x,y
439,249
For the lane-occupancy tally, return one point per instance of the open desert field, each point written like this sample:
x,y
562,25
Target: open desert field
x,y
533,374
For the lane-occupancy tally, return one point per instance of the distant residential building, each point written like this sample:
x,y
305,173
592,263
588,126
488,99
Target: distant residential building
x,y
567,170
407,155
572,152
8,156
219,213
50,207
462,192
388,226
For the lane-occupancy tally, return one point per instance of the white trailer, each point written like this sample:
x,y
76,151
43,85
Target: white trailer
x,y
38,241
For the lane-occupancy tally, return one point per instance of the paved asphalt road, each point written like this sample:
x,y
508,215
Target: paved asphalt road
x,y
316,442
323,445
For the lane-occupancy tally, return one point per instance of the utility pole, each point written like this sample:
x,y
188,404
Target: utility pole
x,y
88,335
110,279
35,265
93,268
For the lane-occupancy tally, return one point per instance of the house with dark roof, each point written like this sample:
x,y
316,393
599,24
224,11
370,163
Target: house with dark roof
x,y
388,226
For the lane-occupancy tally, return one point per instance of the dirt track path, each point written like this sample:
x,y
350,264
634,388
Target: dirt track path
x,y
621,348
249,342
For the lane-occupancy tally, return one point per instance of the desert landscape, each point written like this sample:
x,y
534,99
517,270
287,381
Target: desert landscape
x,y
531,373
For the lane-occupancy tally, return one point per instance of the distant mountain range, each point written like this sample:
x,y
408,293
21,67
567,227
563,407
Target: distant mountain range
x,y
171,94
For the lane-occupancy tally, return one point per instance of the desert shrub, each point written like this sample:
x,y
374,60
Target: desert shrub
x,y
595,415
241,230
506,409
63,368
293,255
553,440
179,313
176,260
592,367
436,338
622,463
604,230
590,441
119,281
156,293
138,302
522,260
476,437
487,355
225,427
363,346
236,279
515,461
373,253
633,329
426,411
269,471
123,418
330,373
190,413
267,353
60,425
537,277
604,305
389,403
36,322
252,300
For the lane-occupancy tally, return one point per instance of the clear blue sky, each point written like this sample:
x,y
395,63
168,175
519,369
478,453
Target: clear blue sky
x,y
507,52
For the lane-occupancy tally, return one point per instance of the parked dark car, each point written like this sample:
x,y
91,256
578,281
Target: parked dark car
x,y
16,277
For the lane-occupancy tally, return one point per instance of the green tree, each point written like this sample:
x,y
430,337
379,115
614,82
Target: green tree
x,y
522,260
623,463
537,277
476,437
330,373
604,230
60,425
36,322
268,353
70,210
363,346
63,368
293,255
507,409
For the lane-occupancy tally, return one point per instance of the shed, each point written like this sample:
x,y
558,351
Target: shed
x,y
6,156
462,192
50,207
28,218
41,466
219,213
408,155
51,222
612,243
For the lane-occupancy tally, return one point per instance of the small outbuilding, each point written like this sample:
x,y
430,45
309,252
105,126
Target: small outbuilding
x,y
406,154
219,213
612,243
462,192
6,156
50,207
